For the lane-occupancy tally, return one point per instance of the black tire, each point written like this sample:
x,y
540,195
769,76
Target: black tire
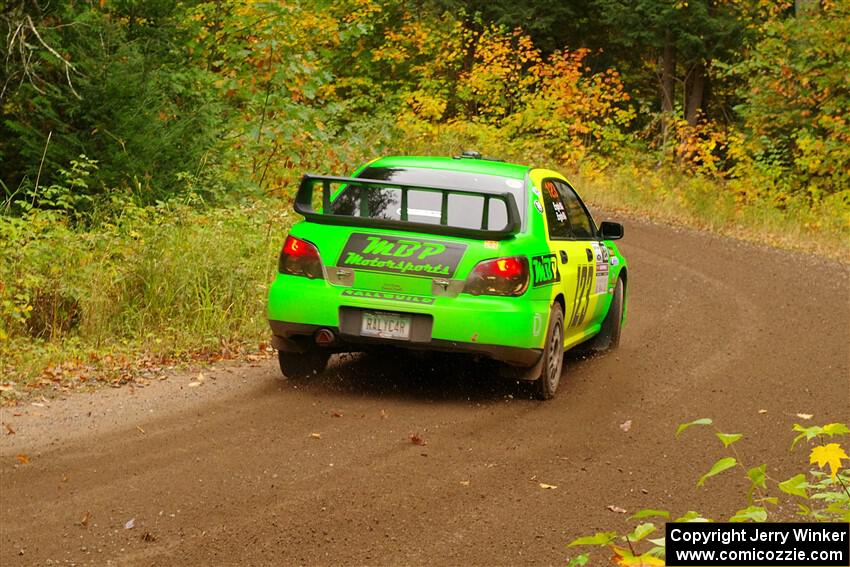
x,y
609,335
546,384
302,364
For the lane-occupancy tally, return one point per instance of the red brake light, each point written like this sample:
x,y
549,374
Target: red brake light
x,y
508,267
300,258
297,247
501,276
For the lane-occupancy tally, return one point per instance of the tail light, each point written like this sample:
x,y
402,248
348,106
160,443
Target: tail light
x,y
502,276
300,258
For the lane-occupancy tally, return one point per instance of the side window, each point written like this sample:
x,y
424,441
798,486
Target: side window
x,y
582,225
556,213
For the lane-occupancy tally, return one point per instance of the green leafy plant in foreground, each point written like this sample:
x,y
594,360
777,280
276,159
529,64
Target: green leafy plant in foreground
x,y
820,494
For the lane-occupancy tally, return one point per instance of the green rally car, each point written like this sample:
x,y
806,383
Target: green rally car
x,y
463,254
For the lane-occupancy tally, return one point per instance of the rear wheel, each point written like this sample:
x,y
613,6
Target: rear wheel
x,y
546,384
302,364
609,335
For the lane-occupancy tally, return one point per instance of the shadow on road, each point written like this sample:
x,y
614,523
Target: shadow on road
x,y
411,375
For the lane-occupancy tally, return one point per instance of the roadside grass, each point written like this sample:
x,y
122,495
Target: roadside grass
x,y
159,287
672,197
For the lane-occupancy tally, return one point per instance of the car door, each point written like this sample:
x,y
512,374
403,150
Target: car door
x,y
593,271
572,259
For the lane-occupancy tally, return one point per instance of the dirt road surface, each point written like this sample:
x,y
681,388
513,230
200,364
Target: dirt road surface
x,y
250,469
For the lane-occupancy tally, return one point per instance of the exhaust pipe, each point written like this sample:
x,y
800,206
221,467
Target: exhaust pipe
x,y
325,337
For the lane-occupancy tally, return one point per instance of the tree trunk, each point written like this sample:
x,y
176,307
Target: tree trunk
x,y
695,93
668,71
668,85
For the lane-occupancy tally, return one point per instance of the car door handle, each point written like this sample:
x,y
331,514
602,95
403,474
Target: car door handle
x,y
589,254
564,258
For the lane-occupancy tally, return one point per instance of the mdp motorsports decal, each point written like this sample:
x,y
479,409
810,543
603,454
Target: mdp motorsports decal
x,y
409,256
544,270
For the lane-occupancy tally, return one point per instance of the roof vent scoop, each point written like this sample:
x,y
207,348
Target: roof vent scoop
x,y
472,154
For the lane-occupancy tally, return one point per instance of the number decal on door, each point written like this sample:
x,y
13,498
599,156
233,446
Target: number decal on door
x,y
582,297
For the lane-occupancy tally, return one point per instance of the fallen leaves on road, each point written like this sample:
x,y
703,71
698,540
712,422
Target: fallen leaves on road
x,y
464,483
762,411
85,521
336,413
315,435
805,415
194,384
131,523
545,486
616,509
135,368
416,439
383,414
626,425
139,427
23,459
9,430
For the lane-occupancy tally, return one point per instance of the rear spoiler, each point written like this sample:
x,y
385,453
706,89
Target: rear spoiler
x,y
304,206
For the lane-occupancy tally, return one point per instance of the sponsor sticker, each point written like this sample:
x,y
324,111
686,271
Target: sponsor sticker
x,y
544,270
538,206
397,255
601,275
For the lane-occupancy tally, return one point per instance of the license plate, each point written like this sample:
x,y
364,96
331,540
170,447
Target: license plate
x,y
385,325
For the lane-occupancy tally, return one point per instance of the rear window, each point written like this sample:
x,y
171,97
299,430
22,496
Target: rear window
x,y
424,207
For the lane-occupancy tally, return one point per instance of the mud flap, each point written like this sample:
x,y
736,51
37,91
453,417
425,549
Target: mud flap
x,y
524,373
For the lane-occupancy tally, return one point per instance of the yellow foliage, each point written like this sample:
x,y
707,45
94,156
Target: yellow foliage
x,y
700,147
505,71
831,454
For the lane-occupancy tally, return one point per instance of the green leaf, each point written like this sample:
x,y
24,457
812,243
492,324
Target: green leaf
x,y
728,438
579,560
804,510
769,499
841,511
641,531
692,516
648,513
657,551
723,464
601,538
701,421
796,486
808,432
750,514
757,476
835,429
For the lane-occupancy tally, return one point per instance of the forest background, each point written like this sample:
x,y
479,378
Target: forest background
x,y
149,149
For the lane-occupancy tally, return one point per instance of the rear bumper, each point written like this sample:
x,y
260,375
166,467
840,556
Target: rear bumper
x,y
505,329
295,337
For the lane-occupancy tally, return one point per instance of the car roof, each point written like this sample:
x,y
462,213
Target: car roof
x,y
470,165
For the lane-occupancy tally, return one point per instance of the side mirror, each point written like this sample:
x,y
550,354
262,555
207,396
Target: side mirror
x,y
611,230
